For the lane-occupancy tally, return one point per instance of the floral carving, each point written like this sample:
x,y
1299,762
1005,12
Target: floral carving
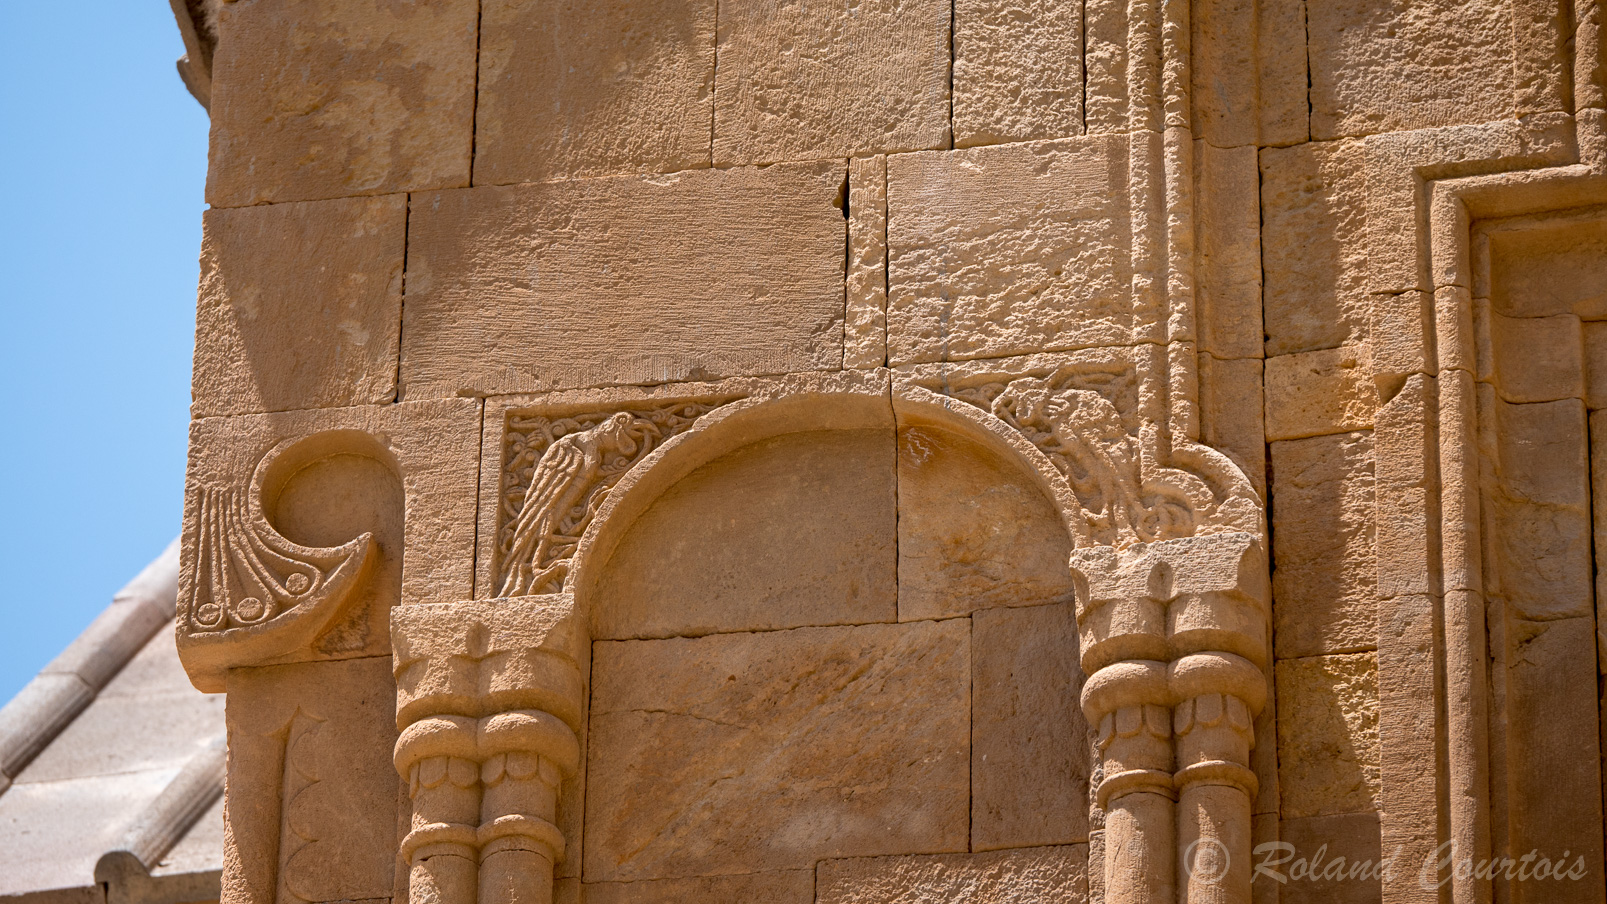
x,y
556,474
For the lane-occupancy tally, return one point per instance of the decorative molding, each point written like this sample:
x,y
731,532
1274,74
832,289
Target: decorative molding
x,y
556,473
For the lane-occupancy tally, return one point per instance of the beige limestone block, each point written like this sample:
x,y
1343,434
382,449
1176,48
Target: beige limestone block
x,y
1538,269
1547,710
782,887
974,531
1025,876
300,305
406,473
593,87
1284,107
1334,860
610,281
1105,39
751,752
1314,245
1399,65
1007,250
1537,359
312,794
865,330
1319,393
1595,356
1228,245
791,531
1537,548
1017,71
315,100
1222,71
1328,753
1233,416
1598,509
1323,585
801,81
1029,743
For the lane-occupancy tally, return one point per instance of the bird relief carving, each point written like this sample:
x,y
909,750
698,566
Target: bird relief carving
x,y
1126,495
252,594
557,473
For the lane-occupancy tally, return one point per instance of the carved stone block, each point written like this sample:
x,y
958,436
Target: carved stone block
x,y
276,567
607,281
312,796
782,887
860,733
1319,393
271,337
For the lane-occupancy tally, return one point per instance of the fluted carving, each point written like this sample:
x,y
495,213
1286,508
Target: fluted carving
x,y
1174,641
488,703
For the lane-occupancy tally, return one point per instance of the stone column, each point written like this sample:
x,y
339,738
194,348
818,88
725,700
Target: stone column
x,y
489,700
1174,640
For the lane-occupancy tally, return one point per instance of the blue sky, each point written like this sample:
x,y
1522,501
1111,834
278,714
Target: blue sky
x,y
104,154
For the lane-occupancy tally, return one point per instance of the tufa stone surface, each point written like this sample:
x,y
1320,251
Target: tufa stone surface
x,y
593,88
322,334
312,100
606,281
802,81
750,752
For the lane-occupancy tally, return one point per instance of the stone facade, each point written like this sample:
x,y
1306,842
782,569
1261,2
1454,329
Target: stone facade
x,y
902,450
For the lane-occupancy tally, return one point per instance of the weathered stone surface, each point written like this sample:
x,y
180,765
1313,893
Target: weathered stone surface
x,y
1314,246
1320,393
783,887
312,792
1228,239
973,530
800,81
1537,545
319,334
752,752
1233,416
312,100
792,531
1029,743
593,87
1595,356
1017,71
605,281
1323,585
1000,877
1282,79
1007,250
1538,269
1380,67
1335,859
1537,359
1328,754
1549,774
865,332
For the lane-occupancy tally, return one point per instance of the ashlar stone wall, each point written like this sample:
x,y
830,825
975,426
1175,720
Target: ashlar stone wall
x,y
863,451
